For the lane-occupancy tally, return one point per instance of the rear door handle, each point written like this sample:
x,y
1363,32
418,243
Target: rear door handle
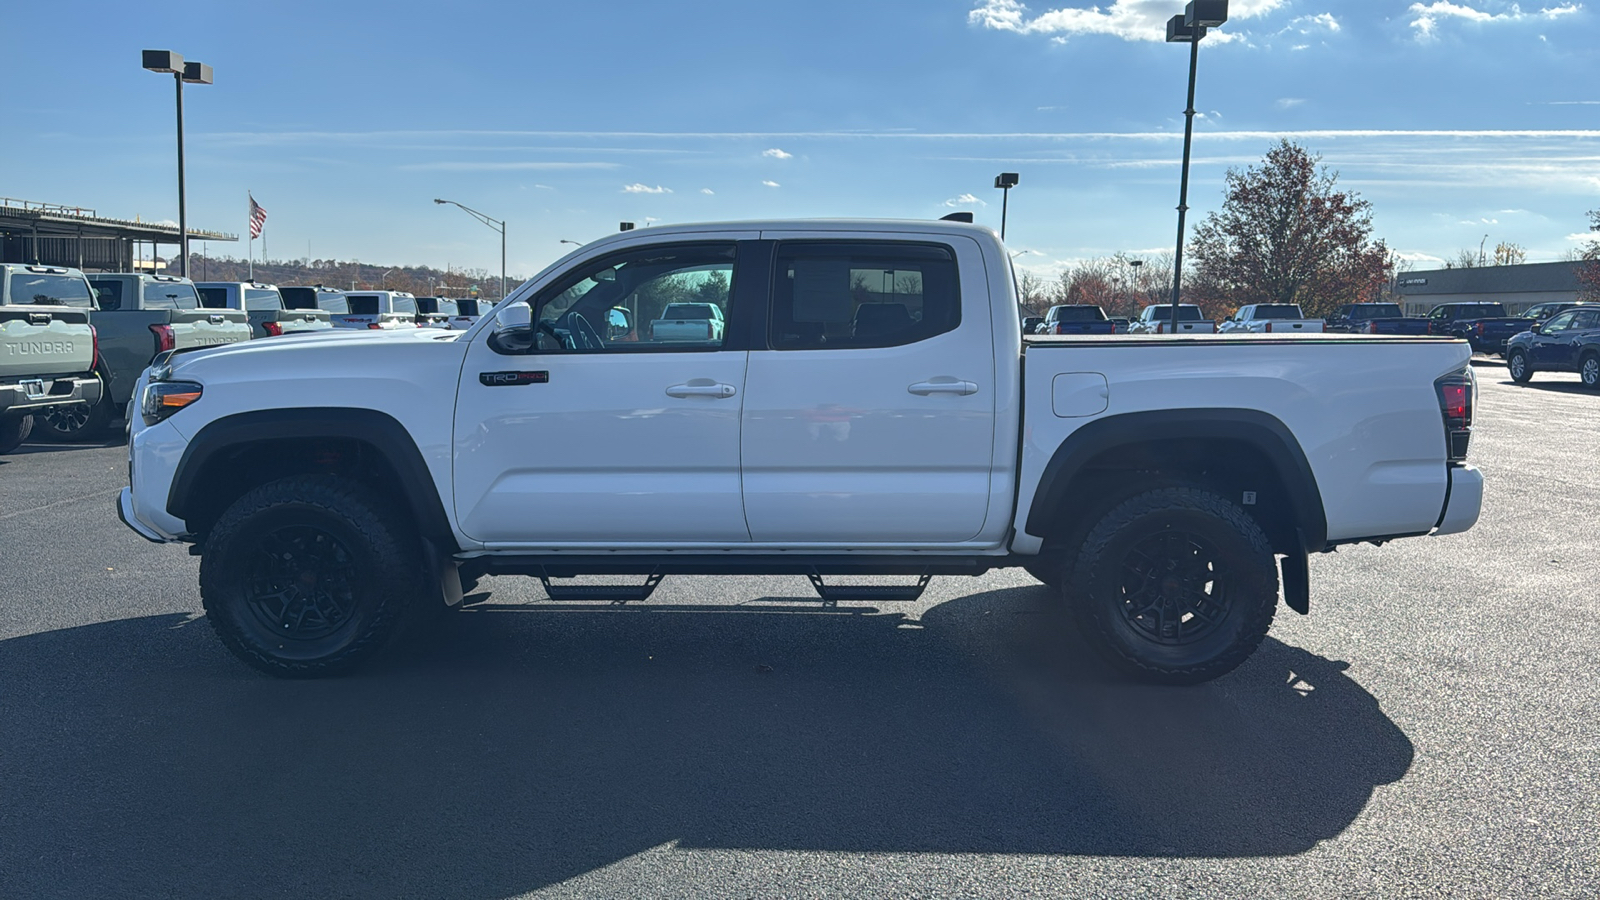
x,y
702,388
924,388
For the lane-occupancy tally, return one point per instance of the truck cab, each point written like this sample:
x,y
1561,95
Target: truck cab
x,y
48,352
264,305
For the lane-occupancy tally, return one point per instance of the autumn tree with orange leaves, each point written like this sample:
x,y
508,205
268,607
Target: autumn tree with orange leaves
x,y
1286,235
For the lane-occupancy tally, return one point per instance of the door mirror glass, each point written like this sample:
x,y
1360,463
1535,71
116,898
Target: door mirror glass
x,y
617,322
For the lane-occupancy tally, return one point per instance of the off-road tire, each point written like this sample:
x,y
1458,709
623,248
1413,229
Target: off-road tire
x,y
78,422
337,535
1047,570
1211,557
1518,367
13,431
1589,371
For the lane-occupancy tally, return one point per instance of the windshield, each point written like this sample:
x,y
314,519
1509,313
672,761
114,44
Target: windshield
x,y
49,290
1278,311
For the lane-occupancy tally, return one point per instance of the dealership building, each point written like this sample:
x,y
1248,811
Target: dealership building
x,y
1518,287
49,234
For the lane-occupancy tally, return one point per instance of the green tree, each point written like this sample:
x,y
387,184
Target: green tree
x,y
1285,234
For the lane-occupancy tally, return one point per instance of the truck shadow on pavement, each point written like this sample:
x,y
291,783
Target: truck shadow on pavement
x,y
526,747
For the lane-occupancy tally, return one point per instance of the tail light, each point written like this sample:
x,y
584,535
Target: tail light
x,y
94,341
1458,394
1372,328
1269,326
273,329
164,338
374,326
1479,329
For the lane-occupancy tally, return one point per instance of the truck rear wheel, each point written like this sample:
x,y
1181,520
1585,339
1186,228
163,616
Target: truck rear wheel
x,y
1518,368
13,431
79,421
1175,585
309,576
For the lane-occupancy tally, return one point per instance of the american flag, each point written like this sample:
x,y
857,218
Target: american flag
x,y
258,218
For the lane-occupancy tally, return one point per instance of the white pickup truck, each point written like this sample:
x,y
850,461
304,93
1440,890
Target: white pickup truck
x,y
336,487
1270,318
1157,319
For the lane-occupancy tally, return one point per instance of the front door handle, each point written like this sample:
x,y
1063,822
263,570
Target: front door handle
x,y
701,387
937,386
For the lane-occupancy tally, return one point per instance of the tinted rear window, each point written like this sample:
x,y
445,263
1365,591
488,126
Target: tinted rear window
x,y
1376,311
1080,314
362,304
686,311
256,299
333,303
214,297
1278,311
108,293
1164,314
169,295
43,289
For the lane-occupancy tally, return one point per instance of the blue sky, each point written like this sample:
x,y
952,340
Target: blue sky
x,y
1457,119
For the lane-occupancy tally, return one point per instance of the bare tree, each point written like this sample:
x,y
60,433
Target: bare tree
x,y
1508,254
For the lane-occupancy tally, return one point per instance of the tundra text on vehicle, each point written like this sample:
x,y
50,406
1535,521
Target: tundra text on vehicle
x,y
47,347
138,316
841,425
1270,318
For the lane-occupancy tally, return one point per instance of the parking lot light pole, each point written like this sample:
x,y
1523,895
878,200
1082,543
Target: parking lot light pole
x,y
166,62
1005,181
494,223
1189,28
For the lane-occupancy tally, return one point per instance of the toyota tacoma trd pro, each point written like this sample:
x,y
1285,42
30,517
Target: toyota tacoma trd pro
x,y
344,488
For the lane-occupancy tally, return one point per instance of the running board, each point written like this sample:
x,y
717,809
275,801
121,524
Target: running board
x,y
882,593
611,593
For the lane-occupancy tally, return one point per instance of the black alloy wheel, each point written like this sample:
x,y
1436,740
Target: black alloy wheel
x,y
79,421
1175,585
302,583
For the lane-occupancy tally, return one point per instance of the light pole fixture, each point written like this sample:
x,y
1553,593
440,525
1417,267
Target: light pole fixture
x,y
168,63
624,226
494,223
573,243
1005,181
1189,28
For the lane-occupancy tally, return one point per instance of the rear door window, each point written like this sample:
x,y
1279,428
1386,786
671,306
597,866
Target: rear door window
x,y
840,294
256,300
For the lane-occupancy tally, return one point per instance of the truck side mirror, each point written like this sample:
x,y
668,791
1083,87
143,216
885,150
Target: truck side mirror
x,y
513,320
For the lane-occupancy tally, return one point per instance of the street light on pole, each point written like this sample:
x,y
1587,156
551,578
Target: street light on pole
x,y
168,63
1189,28
494,223
1005,181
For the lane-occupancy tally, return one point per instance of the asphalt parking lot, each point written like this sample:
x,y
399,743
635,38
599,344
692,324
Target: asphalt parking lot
x,y
1431,729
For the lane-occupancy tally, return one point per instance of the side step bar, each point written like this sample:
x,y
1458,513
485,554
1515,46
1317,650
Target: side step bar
x,y
883,593
614,593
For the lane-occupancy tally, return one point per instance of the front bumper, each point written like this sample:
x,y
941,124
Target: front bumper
x,y
125,513
1464,501
26,395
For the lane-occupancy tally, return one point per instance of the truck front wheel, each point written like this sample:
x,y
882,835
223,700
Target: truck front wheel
x,y
1175,585
1518,368
309,575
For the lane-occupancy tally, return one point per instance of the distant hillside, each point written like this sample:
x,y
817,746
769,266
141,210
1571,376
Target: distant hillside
x,y
348,275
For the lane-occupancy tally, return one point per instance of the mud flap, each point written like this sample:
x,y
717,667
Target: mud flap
x,y
1296,582
442,571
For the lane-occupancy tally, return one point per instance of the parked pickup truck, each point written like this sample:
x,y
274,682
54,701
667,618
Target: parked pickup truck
x,y
1157,319
137,316
1375,318
688,322
1076,318
374,310
314,303
436,312
269,315
47,347
1160,483
1270,318
469,310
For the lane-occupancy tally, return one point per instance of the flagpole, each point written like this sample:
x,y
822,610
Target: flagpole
x,y
249,228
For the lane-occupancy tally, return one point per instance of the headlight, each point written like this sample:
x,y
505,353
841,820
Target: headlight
x,y
163,398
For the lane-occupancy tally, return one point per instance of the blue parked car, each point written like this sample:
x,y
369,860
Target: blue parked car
x,y
1566,342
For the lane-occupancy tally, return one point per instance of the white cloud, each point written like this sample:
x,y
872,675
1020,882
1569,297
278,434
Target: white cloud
x,y
1428,16
1131,20
1311,24
707,191
1290,102
775,153
502,166
771,183
637,188
965,200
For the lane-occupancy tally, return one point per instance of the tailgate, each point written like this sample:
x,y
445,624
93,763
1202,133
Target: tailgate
x,y
208,327
296,321
53,340
1290,326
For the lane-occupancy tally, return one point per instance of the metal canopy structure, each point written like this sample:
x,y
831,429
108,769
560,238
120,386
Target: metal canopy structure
x,y
51,234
